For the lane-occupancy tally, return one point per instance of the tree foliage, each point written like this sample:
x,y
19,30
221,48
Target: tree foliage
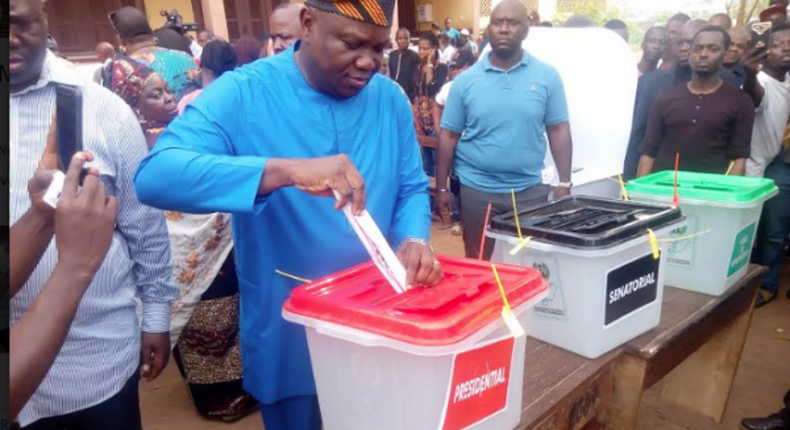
x,y
745,10
601,12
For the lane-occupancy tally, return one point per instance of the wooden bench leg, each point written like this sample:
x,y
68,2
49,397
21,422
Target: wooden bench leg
x,y
628,388
702,382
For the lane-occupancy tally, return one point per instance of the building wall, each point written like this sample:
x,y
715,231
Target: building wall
x,y
460,11
153,7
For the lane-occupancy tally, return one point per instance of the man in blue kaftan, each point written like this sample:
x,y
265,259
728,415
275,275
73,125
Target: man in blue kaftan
x,y
268,142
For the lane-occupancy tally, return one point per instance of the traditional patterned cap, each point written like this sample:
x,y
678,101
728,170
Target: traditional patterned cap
x,y
376,12
129,78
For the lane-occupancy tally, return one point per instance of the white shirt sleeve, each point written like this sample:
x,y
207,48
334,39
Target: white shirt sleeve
x,y
766,83
441,96
446,57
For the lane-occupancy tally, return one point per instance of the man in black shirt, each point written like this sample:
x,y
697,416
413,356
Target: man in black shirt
x,y
653,84
670,59
403,63
708,122
653,47
733,59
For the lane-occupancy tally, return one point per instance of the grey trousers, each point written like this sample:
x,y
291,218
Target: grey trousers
x,y
473,213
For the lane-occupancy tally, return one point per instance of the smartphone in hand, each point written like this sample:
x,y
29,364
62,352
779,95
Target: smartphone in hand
x,y
761,37
69,121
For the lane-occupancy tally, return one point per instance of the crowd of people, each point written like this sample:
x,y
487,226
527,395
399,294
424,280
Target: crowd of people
x,y
207,171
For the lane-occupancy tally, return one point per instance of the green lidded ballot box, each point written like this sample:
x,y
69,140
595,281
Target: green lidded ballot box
x,y
727,207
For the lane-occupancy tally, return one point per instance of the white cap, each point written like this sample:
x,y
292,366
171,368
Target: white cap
x,y
465,32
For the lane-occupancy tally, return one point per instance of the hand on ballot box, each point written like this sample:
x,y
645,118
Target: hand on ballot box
x,y
422,267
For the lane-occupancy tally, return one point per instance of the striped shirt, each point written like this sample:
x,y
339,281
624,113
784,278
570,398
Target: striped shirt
x,y
102,349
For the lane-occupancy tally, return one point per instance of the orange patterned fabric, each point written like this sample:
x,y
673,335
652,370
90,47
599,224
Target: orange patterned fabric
x,y
376,12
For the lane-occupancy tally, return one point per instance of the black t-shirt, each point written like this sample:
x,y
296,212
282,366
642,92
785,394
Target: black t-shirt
x,y
403,68
431,89
707,130
652,85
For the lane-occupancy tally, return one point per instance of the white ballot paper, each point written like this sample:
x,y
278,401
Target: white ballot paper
x,y
55,189
378,247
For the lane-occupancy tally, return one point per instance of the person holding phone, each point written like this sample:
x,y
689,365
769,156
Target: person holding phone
x,y
83,226
768,84
95,377
431,76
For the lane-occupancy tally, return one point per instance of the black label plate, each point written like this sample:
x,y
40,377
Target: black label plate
x,y
631,287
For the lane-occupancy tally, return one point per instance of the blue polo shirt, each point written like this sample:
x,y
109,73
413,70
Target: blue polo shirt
x,y
502,117
453,33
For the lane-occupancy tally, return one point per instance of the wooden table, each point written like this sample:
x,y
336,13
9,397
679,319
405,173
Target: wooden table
x,y
699,340
565,391
694,352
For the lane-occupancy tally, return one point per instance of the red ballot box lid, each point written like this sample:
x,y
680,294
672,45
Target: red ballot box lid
x,y
466,301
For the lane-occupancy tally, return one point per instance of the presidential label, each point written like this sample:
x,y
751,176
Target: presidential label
x,y
479,385
631,287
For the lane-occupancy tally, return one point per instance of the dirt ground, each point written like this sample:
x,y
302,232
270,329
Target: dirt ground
x,y
763,378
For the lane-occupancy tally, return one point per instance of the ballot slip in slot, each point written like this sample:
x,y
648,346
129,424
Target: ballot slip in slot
x,y
377,247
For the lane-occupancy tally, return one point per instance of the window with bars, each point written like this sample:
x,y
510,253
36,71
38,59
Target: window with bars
x,y
572,6
485,6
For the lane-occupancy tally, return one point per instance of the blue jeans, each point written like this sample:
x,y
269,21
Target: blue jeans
x,y
429,161
774,226
295,413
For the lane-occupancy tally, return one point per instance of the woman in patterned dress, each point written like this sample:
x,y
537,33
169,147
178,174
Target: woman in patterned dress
x,y
205,317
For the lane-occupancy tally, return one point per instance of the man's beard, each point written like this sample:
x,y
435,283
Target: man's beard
x,y
506,52
706,73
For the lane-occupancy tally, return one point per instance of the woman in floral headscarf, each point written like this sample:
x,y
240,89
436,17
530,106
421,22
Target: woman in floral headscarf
x,y
205,317
139,43
147,93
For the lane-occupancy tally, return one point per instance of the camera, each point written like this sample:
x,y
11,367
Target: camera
x,y
176,22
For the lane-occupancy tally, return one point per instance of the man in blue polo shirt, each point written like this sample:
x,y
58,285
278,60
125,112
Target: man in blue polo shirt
x,y
449,30
494,127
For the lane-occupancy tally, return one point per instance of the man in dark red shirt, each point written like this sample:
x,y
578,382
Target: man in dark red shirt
x,y
707,121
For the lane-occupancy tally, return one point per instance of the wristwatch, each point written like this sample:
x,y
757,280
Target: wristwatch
x,y
565,185
418,241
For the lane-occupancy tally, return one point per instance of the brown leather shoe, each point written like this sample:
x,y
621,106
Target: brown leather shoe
x,y
763,298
